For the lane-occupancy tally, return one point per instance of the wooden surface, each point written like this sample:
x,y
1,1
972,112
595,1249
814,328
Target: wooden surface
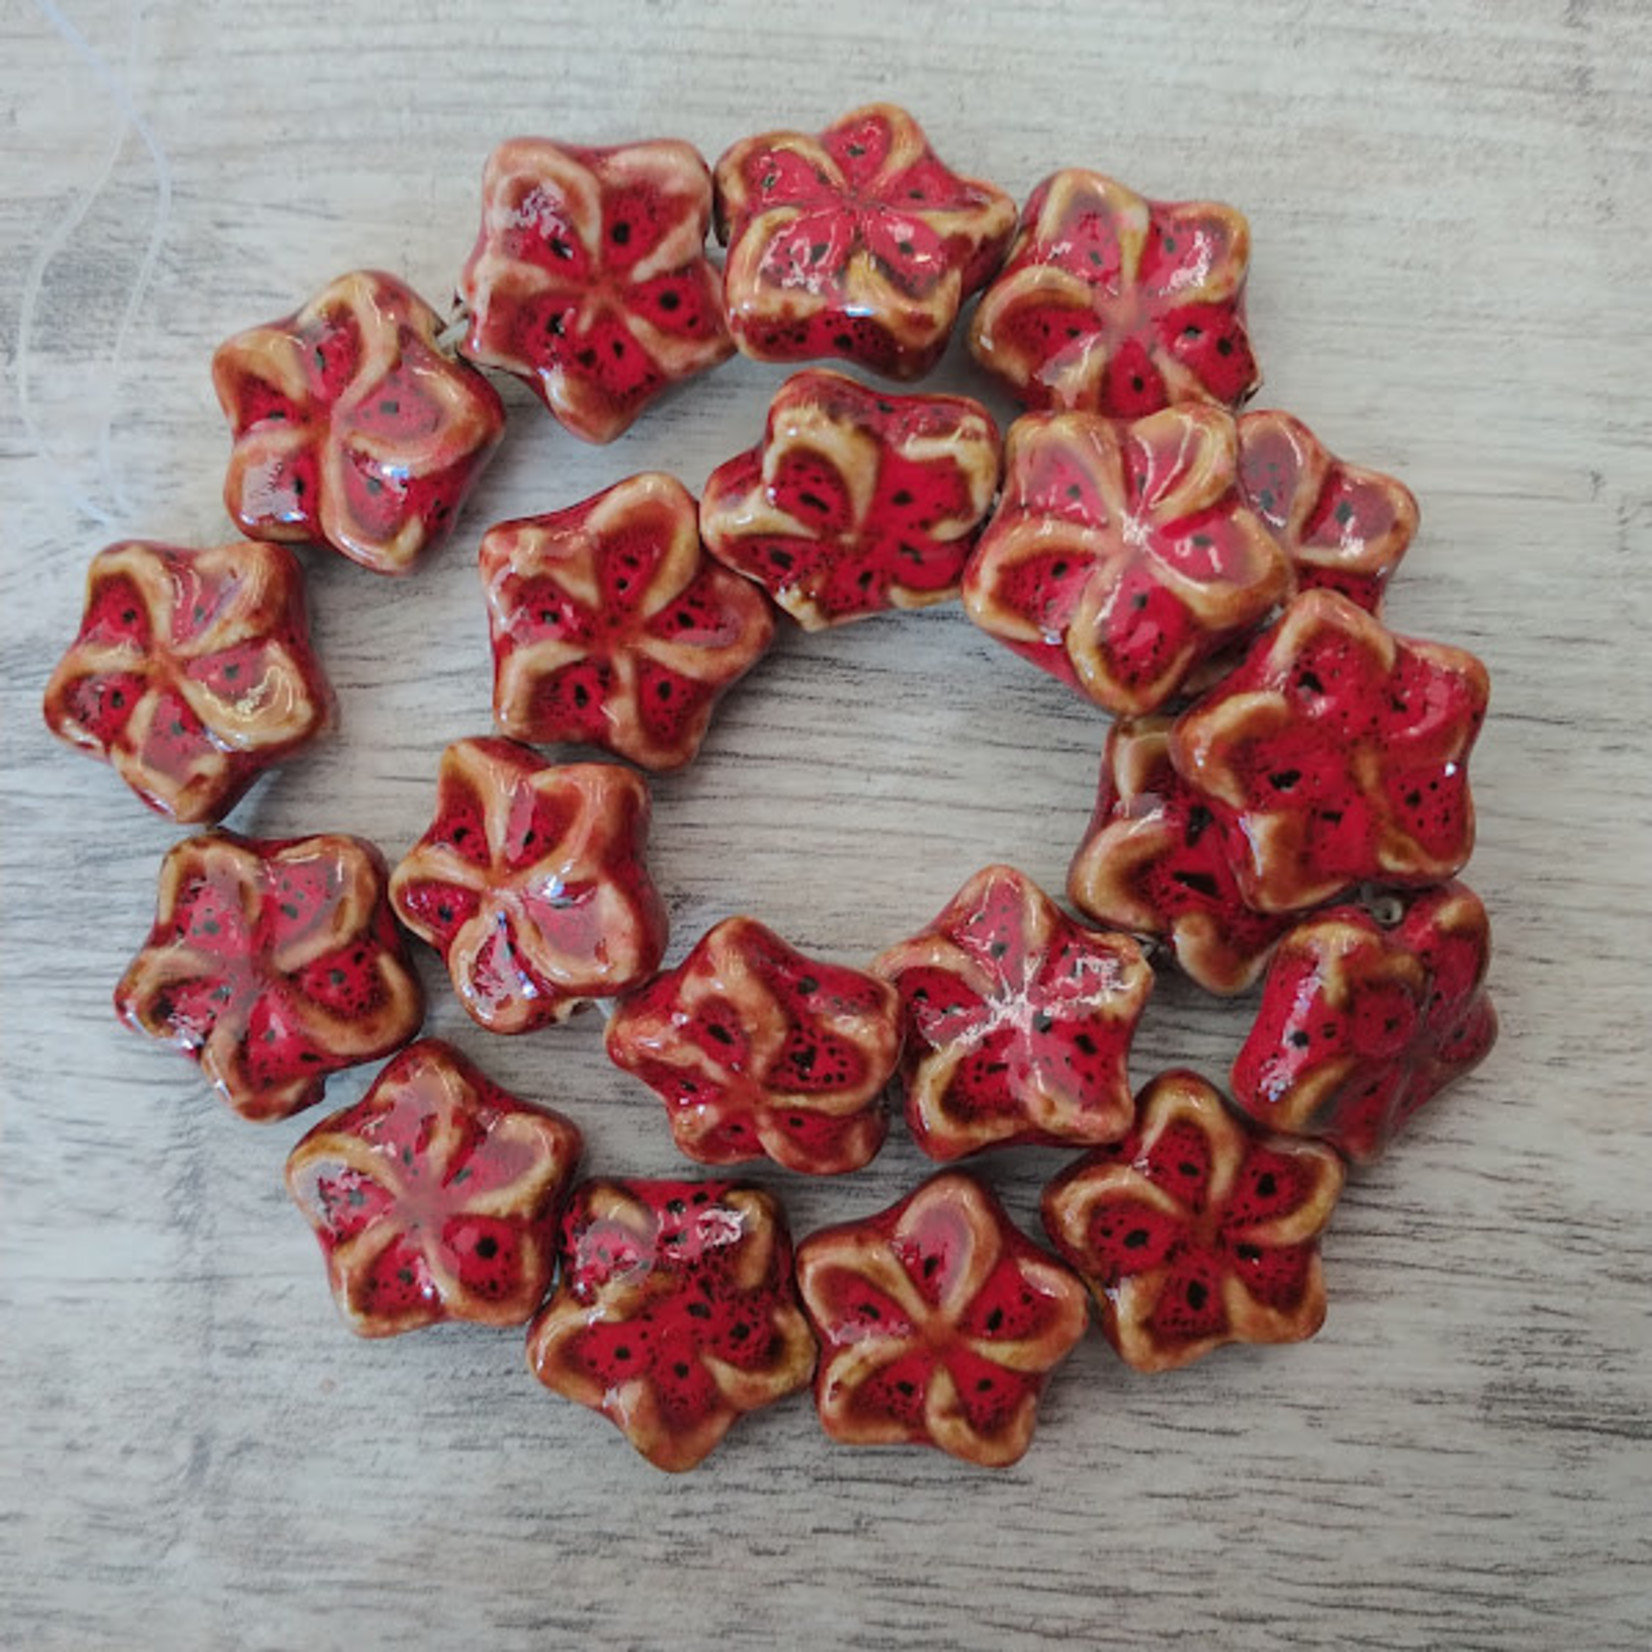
x,y
1450,215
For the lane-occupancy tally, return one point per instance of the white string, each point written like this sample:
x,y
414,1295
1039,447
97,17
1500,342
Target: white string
x,y
118,86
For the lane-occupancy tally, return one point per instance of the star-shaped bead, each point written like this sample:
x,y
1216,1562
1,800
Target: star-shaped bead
x,y
856,243
1156,861
272,964
611,626
1018,1021
1363,1020
675,1313
1337,754
1121,555
760,1051
435,1197
856,501
351,426
1196,1231
531,884
192,673
1119,305
939,1324
589,279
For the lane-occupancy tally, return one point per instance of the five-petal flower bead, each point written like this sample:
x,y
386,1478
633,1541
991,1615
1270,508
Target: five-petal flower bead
x,y
273,964
1018,1021
531,884
192,673
857,243
610,624
1368,1015
675,1313
589,279
436,1196
760,1051
1119,305
939,1324
856,501
1195,1230
352,426
1121,555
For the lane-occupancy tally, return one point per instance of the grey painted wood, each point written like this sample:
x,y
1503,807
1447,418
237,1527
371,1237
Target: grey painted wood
x,y
1451,218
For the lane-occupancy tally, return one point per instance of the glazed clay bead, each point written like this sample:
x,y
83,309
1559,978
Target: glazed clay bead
x,y
435,1197
1196,1231
856,501
192,673
611,626
273,963
1018,1022
1156,861
1119,305
589,279
759,1051
1121,555
675,1313
939,1324
351,426
1363,1022
857,243
1337,754
531,884
1344,528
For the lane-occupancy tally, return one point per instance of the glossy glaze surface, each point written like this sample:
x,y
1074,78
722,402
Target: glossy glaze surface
x,y
611,626
531,883
273,963
1018,1021
1364,1021
1119,305
1195,1230
1121,555
675,1313
1337,753
939,1324
589,279
350,425
192,672
856,501
436,1196
761,1052
1156,860
857,243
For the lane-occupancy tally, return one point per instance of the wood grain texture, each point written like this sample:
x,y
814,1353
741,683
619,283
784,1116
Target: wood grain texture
x,y
1450,221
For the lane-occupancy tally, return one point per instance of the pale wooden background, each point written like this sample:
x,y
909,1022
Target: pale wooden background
x,y
1451,220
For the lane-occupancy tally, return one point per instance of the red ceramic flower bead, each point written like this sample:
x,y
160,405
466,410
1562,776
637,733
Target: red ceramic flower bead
x,y
1196,1231
1156,861
435,1197
530,882
1362,1023
675,1313
1344,528
1337,754
589,280
611,626
192,672
1120,556
857,243
1018,1022
272,964
856,501
351,426
1119,305
760,1051
939,1324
